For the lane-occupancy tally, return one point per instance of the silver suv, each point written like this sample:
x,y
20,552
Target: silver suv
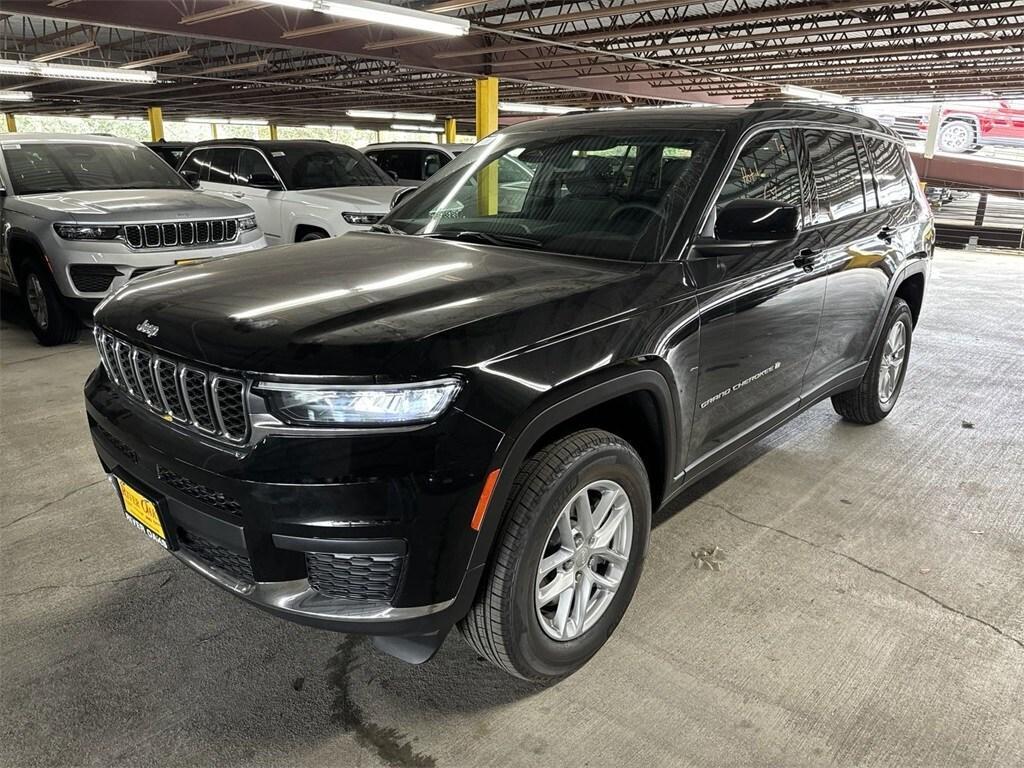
x,y
83,215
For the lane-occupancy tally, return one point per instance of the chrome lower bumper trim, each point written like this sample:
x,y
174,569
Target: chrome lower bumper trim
x,y
299,599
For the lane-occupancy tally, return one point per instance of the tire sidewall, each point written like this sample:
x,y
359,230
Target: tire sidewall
x,y
899,314
532,650
55,310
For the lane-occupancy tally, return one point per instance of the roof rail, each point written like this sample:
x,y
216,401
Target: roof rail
x,y
801,104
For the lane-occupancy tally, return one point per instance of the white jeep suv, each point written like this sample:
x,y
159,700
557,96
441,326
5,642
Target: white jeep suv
x,y
300,190
83,215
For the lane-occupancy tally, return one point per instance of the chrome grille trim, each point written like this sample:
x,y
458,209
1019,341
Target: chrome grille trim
x,y
181,233
190,396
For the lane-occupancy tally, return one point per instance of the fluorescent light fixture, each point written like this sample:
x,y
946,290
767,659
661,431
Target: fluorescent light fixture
x,y
813,94
166,58
69,72
381,13
417,127
377,114
534,109
15,95
226,120
103,117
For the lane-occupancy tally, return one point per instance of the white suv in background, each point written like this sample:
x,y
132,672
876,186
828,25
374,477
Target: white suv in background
x,y
412,163
300,190
83,215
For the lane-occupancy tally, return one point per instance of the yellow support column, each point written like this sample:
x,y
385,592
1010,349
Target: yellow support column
x,y
156,122
12,126
486,124
213,129
273,132
449,130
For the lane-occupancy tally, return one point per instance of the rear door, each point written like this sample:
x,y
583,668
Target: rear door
x,y
760,309
858,256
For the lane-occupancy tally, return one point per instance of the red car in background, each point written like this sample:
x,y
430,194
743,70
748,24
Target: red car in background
x,y
968,127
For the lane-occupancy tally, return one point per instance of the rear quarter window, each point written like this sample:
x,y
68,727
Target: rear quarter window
x,y
889,171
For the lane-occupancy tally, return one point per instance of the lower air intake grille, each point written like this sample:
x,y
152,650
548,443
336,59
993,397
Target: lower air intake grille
x,y
354,577
197,491
92,278
219,557
128,452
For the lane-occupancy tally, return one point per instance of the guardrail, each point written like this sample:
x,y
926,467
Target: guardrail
x,y
965,217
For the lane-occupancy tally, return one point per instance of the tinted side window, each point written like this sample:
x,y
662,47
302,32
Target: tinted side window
x,y
433,162
767,168
251,163
836,174
404,163
222,163
890,175
197,163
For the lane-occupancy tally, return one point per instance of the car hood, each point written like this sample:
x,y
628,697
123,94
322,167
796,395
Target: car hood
x,y
364,304
132,205
355,199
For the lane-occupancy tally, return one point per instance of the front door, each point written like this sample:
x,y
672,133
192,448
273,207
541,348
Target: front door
x,y
759,311
267,204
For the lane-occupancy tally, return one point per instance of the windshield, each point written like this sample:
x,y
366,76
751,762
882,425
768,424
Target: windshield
x,y
615,195
328,165
75,166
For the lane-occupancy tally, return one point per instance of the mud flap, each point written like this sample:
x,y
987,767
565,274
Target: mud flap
x,y
412,649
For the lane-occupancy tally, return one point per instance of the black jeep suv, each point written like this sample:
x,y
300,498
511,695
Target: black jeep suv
x,y
469,415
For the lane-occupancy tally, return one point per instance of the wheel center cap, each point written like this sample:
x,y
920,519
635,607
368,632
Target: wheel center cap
x,y
582,556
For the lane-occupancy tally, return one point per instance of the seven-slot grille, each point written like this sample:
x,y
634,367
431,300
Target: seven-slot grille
x,y
208,403
176,233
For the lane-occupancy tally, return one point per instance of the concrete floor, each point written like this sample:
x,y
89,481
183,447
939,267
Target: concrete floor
x,y
869,611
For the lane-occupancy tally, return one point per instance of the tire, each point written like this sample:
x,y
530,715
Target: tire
x,y
51,319
506,624
956,136
314,235
868,403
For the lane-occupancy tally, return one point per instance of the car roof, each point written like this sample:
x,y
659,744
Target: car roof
x,y
65,138
270,144
417,145
734,119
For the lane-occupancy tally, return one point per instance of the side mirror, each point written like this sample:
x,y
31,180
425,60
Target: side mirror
x,y
393,175
264,181
401,195
753,220
191,178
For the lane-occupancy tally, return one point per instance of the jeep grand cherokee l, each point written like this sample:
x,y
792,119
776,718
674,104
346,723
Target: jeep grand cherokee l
x,y
468,417
83,215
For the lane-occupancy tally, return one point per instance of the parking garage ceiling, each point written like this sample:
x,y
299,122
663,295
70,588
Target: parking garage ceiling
x,y
246,58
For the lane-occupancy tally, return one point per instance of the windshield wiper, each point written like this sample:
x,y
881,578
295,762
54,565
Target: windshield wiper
x,y
488,237
387,229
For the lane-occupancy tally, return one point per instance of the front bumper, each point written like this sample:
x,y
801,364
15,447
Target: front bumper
x,y
361,533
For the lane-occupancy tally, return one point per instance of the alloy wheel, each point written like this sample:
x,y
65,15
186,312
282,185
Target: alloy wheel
x,y
36,299
893,357
957,137
584,560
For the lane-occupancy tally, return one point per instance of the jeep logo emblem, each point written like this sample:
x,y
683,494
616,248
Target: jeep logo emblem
x,y
148,328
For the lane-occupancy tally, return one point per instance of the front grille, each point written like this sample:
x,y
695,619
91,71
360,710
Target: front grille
x,y
180,392
354,577
198,491
92,278
179,233
219,557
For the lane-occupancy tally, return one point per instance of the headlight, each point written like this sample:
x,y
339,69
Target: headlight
x,y
362,218
360,404
86,232
247,223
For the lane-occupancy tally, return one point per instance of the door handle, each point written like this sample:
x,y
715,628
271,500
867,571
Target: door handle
x,y
886,233
807,259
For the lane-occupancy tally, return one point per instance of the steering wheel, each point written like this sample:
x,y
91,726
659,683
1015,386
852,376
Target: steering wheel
x,y
639,206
